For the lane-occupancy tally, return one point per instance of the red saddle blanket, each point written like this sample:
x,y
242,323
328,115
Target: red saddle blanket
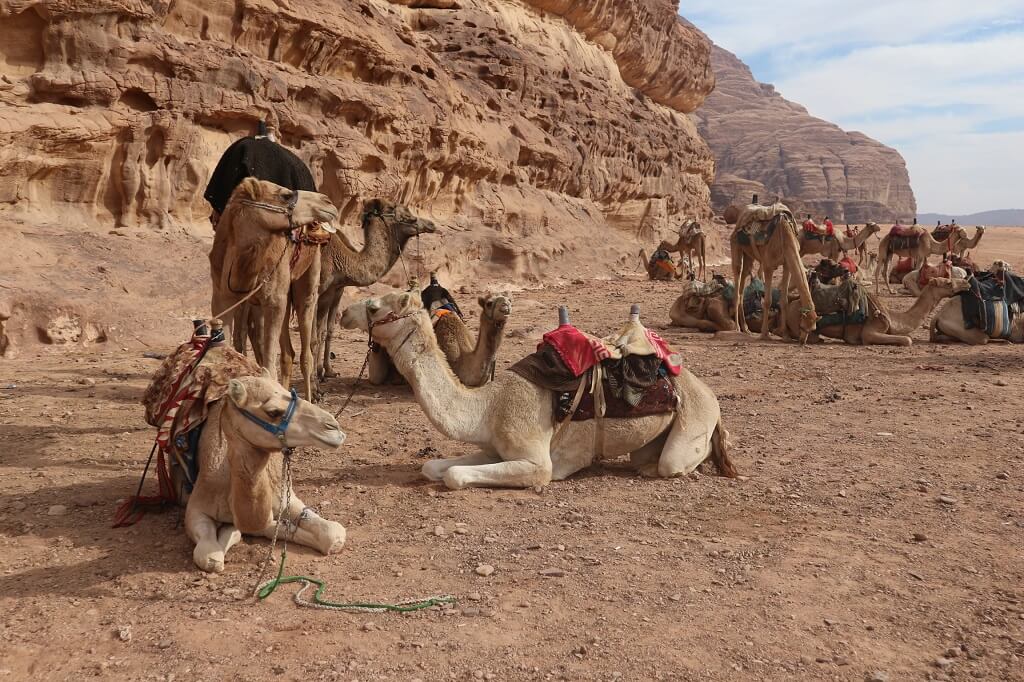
x,y
581,351
903,266
849,264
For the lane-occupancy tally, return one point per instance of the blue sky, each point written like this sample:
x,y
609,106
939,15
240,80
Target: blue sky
x,y
940,80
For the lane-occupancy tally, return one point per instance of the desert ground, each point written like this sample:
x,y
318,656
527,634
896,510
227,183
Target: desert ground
x,y
876,532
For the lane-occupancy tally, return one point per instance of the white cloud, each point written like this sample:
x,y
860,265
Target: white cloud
x,y
941,80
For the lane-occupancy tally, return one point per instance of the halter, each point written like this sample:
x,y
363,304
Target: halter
x,y
277,430
288,209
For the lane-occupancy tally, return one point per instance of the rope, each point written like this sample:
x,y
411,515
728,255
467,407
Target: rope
x,y
318,602
355,386
266,278
286,488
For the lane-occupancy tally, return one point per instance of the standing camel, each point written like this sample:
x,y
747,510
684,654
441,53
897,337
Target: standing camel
x,y
781,248
917,243
691,241
513,422
253,254
832,248
387,227
955,236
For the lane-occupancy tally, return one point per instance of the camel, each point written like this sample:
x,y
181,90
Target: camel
x,y
918,249
884,326
915,279
782,249
252,251
691,240
839,244
713,312
239,486
956,239
472,360
660,269
387,227
512,421
706,312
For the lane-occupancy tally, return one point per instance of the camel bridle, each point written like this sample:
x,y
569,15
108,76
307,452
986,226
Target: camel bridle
x,y
288,209
280,429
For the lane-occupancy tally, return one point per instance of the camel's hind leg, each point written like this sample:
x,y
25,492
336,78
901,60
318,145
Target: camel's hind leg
x,y
876,338
645,459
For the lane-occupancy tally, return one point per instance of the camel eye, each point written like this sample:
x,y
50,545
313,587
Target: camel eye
x,y
286,195
274,412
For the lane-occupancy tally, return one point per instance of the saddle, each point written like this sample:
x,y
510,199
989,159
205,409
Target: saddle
x,y
844,303
903,237
942,233
757,224
993,302
182,392
634,367
662,260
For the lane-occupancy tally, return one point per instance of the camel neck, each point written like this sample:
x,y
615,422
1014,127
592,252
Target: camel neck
x,y
907,322
455,410
488,342
252,485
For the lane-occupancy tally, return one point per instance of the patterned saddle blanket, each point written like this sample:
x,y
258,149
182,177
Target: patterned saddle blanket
x,y
941,234
760,233
993,303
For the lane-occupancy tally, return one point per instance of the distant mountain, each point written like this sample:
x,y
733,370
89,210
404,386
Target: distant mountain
x,y
1009,216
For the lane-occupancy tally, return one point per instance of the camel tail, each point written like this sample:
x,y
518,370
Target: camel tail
x,y
720,452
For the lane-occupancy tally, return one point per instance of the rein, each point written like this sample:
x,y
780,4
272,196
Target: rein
x,y
373,346
288,209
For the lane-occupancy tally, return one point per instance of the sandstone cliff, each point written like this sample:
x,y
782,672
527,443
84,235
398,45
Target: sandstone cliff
x,y
543,135
768,145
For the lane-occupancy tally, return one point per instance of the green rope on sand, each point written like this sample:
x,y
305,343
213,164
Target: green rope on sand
x,y
318,602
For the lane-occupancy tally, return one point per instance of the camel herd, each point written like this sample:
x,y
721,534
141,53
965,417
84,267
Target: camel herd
x,y
275,252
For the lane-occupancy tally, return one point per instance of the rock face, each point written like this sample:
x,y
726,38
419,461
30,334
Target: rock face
x,y
525,128
768,145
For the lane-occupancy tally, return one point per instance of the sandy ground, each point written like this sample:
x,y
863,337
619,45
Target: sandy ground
x,y
877,532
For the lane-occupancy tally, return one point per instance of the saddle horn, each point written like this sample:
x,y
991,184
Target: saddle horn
x,y
634,312
563,315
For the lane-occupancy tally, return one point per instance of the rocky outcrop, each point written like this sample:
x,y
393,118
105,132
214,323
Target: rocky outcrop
x,y
767,145
517,125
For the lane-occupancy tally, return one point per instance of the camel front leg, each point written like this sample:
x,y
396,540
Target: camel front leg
x,y
740,273
874,337
525,465
435,469
211,544
768,277
326,537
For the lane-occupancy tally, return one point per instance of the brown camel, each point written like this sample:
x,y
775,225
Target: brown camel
x,y
387,227
696,309
832,248
251,251
472,360
884,326
660,269
691,240
917,244
956,239
240,483
781,248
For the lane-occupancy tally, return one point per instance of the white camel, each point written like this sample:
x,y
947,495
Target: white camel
x,y
512,421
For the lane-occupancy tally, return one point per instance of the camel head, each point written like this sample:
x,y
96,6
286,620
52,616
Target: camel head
x,y
261,398
386,315
873,228
947,287
808,324
497,307
403,223
281,208
1000,267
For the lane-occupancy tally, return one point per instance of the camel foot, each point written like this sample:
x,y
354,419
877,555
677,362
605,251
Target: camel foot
x,y
333,538
209,557
454,480
434,470
649,470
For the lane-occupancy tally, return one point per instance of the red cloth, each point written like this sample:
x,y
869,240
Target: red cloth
x,y
904,230
573,346
672,361
830,229
904,265
850,266
809,226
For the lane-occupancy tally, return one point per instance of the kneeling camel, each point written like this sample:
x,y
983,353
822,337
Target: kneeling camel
x,y
512,421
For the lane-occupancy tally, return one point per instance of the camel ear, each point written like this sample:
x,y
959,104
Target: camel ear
x,y
265,373
372,305
481,301
405,300
236,391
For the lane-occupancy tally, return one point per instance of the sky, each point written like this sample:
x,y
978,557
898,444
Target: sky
x,y
942,81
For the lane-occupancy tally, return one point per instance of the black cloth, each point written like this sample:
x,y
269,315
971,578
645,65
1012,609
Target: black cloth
x,y
987,287
259,158
435,293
